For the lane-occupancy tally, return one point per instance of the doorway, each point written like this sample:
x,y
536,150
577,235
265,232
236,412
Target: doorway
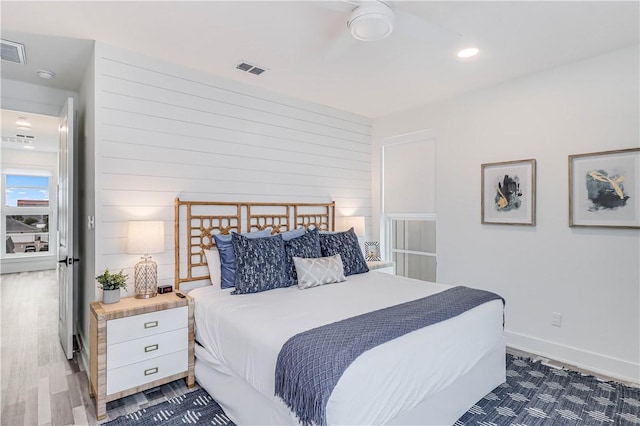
x,y
409,216
37,204
29,164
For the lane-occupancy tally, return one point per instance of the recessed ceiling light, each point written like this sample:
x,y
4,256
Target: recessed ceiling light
x,y
46,74
23,123
29,147
468,52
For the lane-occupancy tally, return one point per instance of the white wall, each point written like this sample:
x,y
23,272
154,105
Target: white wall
x,y
591,275
86,206
163,131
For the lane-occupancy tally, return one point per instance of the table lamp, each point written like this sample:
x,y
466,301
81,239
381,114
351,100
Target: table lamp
x,y
355,222
145,237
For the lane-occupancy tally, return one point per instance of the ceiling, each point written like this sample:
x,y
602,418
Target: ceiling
x,y
308,51
40,135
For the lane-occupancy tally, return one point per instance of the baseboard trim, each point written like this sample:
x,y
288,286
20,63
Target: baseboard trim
x,y
598,364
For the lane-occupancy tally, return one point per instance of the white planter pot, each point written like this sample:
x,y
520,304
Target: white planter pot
x,y
110,296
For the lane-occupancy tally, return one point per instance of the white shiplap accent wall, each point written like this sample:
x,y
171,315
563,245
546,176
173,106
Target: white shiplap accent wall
x,y
164,131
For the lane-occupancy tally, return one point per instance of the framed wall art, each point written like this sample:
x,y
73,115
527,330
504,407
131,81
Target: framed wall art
x,y
372,251
509,193
604,189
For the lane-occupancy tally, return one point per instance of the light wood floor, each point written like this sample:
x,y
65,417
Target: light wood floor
x,y
39,386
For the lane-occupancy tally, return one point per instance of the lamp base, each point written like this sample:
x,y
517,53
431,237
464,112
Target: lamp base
x,y
146,278
145,296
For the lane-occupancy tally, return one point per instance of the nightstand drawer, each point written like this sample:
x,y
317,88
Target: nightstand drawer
x,y
137,326
130,352
138,344
140,373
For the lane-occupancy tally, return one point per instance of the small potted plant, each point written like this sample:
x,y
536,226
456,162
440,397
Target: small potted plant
x,y
111,285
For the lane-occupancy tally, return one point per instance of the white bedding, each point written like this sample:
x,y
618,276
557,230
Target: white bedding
x,y
246,332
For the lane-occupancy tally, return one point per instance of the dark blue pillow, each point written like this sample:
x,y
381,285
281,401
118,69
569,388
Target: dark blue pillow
x,y
307,245
227,258
259,264
347,246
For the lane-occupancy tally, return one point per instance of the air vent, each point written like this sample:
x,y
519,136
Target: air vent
x,y
22,141
251,69
13,52
256,71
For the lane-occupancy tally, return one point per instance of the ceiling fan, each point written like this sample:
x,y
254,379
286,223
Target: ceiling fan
x,y
372,20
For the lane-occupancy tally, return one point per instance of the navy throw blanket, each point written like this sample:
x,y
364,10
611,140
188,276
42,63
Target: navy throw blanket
x,y
311,363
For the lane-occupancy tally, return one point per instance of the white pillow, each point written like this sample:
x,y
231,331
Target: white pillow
x,y
213,262
319,271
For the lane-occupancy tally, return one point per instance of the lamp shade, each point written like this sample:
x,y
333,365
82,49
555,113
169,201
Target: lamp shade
x,y
355,222
145,236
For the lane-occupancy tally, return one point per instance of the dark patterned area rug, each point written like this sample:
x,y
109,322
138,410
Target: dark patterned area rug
x,y
534,395
193,408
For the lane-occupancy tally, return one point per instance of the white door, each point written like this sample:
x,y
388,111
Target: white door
x,y
66,258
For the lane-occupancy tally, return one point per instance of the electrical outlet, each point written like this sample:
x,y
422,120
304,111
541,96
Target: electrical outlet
x,y
556,319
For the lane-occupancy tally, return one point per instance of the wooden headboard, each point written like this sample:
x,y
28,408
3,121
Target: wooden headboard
x,y
196,222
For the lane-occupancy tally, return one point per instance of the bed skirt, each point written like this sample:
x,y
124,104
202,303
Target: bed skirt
x,y
246,406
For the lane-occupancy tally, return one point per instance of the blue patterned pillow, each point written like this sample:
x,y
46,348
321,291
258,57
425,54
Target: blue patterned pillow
x,y
259,264
347,246
307,246
227,257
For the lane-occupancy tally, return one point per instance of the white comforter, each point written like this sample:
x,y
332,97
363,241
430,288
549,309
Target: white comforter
x,y
246,333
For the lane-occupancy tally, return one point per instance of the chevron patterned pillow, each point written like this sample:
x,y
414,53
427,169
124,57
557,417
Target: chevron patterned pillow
x,y
319,271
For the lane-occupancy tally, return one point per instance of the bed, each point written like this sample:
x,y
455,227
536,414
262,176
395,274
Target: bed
x,y
428,376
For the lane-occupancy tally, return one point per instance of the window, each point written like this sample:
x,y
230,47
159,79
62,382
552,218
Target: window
x,y
26,213
26,191
412,243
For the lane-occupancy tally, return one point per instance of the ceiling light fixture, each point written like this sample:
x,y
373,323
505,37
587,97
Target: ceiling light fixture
x,y
371,21
46,74
468,52
29,147
23,123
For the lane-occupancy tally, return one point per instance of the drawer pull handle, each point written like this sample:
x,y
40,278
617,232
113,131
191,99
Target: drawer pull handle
x,y
150,324
151,348
151,371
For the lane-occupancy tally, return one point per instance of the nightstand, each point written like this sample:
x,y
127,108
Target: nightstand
x,y
137,344
384,266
